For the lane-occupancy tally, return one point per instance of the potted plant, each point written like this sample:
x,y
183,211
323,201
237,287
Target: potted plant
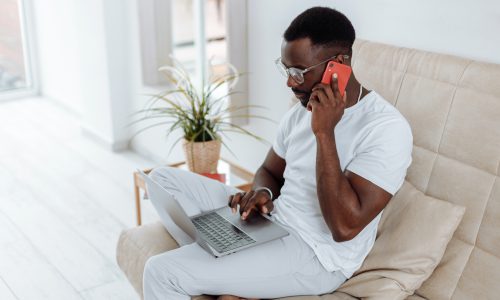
x,y
203,114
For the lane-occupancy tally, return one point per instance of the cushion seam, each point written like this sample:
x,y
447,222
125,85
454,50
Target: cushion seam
x,y
457,160
430,173
451,105
405,71
462,273
484,210
439,80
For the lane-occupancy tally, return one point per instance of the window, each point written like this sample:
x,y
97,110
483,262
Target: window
x,y
195,32
15,68
199,34
215,26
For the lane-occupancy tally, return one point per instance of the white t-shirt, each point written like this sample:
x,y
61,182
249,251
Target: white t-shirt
x,y
373,140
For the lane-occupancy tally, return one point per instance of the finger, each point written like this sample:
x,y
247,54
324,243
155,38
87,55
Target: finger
x,y
312,101
344,99
235,201
329,92
267,207
249,206
256,203
320,86
326,88
261,199
249,212
323,97
244,201
335,86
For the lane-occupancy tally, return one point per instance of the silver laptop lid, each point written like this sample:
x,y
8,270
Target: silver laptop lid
x,y
262,230
169,207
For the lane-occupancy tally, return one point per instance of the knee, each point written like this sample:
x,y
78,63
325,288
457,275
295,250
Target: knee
x,y
150,270
159,281
158,264
168,177
160,173
158,271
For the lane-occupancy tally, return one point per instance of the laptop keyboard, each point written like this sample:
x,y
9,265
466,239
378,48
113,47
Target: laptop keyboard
x,y
220,233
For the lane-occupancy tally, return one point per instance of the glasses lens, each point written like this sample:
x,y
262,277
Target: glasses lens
x,y
296,75
281,67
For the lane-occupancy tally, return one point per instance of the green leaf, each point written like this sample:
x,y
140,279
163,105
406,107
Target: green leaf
x,y
146,128
148,118
248,116
173,145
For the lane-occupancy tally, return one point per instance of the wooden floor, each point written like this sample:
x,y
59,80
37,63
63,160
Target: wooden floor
x,y
63,202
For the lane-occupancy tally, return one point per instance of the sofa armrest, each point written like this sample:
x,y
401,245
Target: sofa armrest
x,y
137,245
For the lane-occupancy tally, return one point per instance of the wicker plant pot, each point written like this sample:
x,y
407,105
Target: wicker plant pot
x,y
202,157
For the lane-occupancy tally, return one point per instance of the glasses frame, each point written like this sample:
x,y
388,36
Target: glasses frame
x,y
298,74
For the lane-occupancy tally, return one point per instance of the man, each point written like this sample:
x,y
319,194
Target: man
x,y
334,166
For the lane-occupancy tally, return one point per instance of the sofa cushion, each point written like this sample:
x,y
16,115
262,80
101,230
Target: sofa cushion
x,y
411,240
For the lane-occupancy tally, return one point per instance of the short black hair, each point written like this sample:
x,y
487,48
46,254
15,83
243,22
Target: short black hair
x,y
324,26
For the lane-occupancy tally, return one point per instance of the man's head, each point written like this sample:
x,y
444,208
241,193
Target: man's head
x,y
313,37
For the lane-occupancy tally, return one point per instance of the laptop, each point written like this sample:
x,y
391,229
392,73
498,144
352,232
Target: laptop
x,y
219,231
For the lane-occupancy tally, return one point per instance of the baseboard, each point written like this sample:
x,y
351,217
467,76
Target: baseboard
x,y
115,146
144,152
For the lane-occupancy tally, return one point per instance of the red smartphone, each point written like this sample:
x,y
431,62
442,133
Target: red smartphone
x,y
343,74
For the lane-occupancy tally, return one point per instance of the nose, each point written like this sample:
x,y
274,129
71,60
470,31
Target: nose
x,y
290,82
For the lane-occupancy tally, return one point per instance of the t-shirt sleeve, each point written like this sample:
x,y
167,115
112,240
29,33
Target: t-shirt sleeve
x,y
384,156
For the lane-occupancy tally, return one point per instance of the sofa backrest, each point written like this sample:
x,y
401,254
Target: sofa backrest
x,y
453,107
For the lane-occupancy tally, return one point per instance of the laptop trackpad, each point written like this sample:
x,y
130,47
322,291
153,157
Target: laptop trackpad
x,y
257,227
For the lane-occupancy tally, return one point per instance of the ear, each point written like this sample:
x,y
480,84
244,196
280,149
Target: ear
x,y
345,61
340,58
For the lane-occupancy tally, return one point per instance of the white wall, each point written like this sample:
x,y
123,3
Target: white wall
x,y
57,52
89,52
89,56
89,62
464,28
123,64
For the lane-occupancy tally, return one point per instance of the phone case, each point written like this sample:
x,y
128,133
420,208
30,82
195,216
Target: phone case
x,y
343,74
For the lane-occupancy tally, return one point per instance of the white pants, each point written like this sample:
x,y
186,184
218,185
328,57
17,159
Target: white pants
x,y
284,267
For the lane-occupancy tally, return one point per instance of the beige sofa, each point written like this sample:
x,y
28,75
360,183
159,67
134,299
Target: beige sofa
x,y
453,106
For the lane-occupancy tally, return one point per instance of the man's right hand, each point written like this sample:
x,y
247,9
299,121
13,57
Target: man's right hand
x,y
250,202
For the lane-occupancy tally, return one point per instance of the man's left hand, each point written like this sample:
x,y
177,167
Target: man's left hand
x,y
327,107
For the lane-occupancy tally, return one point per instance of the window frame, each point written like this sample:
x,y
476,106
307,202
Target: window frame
x,y
29,54
156,44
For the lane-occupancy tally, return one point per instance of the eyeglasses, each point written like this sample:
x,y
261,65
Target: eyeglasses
x,y
298,74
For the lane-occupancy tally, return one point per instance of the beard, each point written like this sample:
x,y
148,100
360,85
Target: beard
x,y
303,96
304,101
